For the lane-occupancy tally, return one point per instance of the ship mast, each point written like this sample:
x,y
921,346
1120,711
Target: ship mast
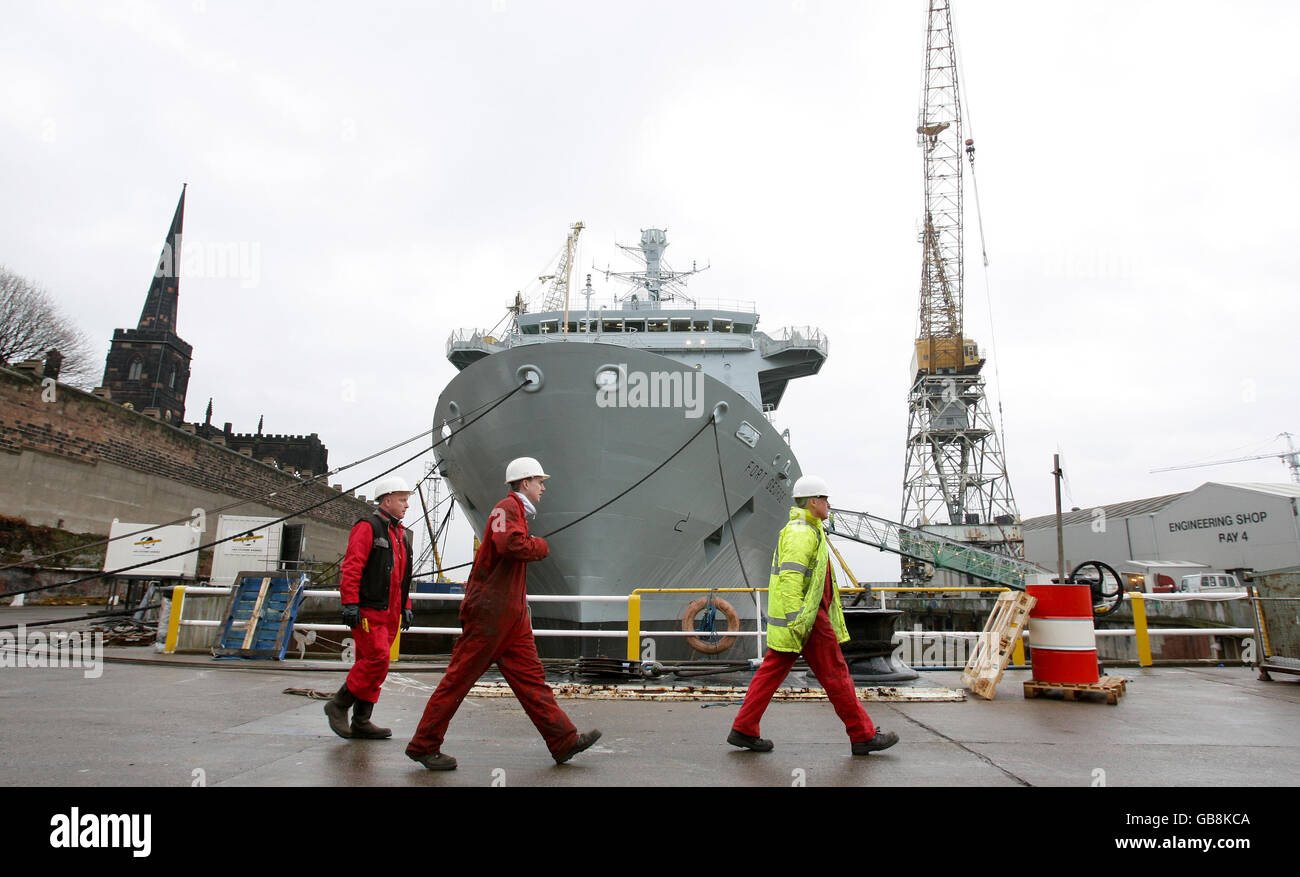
x,y
954,478
658,281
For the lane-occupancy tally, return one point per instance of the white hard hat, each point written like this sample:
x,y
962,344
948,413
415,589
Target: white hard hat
x,y
524,467
810,485
391,484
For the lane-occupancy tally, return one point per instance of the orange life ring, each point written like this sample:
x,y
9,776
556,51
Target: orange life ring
x,y
688,623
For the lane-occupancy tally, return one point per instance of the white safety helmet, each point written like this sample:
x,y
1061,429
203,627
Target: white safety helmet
x,y
391,484
524,467
810,485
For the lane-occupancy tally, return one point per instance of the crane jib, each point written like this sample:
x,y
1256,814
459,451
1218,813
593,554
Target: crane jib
x,y
949,554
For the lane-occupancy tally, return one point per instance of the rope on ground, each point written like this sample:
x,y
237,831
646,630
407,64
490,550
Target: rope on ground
x,y
313,693
716,670
128,632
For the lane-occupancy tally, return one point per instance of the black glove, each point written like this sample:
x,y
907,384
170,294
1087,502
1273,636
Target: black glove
x,y
408,618
352,614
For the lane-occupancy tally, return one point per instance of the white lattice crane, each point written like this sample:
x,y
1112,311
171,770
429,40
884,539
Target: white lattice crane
x,y
1290,457
955,476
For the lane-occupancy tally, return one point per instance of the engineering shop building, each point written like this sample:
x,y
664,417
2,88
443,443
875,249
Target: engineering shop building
x,y
1218,527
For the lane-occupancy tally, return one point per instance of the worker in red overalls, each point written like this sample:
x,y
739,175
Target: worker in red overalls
x,y
375,591
497,630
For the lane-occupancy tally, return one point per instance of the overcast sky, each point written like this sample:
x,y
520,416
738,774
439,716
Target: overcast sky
x,y
393,173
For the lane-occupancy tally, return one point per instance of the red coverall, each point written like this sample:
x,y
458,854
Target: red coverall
x,y
826,660
373,645
494,617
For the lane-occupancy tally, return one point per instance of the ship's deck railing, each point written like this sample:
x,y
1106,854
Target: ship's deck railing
x,y
172,615
579,305
477,338
654,342
792,337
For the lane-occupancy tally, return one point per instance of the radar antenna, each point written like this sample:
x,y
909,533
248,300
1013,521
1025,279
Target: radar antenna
x,y
658,281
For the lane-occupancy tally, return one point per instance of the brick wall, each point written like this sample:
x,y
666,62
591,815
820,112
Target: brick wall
x,y
114,462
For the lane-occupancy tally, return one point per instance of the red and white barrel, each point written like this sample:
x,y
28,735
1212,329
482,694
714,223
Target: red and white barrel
x,y
1063,643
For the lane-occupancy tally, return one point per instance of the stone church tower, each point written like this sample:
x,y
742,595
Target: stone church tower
x,y
148,367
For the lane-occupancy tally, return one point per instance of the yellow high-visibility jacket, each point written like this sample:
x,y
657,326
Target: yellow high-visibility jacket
x,y
797,582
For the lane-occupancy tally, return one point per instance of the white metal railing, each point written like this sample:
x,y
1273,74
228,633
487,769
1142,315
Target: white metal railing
x,y
174,618
795,336
179,621
481,339
681,303
476,338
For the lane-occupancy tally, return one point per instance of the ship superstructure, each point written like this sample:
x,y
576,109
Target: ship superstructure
x,y
615,389
720,338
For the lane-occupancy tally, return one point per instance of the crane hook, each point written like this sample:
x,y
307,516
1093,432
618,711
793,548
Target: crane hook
x,y
970,152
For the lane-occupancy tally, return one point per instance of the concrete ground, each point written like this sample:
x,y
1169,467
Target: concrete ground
x,y
151,720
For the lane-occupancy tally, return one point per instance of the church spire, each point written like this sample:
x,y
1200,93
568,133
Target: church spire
x,y
160,304
148,367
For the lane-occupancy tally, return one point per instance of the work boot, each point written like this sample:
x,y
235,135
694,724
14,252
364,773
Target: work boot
x,y
433,760
362,727
584,742
744,741
336,708
883,740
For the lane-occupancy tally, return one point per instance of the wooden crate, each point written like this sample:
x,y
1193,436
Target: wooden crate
x,y
1113,687
994,646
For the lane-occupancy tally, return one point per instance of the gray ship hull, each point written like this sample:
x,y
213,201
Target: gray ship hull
x,y
670,532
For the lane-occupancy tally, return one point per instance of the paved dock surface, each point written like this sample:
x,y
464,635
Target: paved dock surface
x,y
146,721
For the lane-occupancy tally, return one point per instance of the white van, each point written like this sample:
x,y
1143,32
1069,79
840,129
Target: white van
x,y
1210,582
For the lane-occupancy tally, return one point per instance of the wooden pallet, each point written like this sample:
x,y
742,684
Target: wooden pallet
x,y
260,615
1112,687
994,646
